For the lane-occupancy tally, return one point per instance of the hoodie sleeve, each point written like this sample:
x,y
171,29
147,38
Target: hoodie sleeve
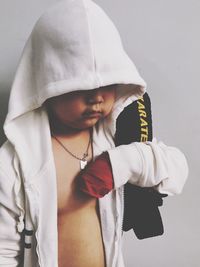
x,y
149,164
10,238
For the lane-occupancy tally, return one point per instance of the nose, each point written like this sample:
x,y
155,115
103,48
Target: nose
x,y
95,97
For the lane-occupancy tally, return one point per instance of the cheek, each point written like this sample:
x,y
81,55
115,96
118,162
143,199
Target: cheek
x,y
110,99
71,110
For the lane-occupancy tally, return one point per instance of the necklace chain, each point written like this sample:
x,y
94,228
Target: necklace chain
x,y
74,156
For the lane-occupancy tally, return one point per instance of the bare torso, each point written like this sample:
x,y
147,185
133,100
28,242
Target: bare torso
x,y
79,231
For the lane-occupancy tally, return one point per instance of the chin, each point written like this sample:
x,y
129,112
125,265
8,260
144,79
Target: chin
x,y
87,124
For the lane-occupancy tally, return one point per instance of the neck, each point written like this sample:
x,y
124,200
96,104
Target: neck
x,y
63,130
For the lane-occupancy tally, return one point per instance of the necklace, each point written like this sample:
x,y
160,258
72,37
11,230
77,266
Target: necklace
x,y
83,162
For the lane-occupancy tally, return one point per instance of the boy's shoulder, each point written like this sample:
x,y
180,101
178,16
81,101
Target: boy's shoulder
x,y
6,150
7,153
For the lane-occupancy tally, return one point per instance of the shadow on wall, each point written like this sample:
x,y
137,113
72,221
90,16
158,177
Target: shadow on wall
x,y
4,97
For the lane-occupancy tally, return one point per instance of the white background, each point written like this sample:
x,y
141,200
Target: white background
x,y
163,39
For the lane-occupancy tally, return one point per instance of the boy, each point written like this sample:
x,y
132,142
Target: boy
x,y
73,80
72,117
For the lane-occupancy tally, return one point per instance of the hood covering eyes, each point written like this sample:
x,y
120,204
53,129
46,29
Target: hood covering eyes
x,y
73,46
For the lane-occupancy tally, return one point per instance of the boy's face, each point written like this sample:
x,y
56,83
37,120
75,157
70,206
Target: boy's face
x,y
82,109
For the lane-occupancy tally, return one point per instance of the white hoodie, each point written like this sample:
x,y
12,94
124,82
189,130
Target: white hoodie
x,y
73,46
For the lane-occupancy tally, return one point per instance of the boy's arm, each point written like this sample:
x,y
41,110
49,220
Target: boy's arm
x,y
149,164
10,238
145,164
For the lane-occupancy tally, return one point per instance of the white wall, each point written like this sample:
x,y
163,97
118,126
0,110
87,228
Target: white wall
x,y
163,39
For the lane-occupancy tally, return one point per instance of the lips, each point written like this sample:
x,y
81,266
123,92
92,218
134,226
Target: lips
x,y
93,114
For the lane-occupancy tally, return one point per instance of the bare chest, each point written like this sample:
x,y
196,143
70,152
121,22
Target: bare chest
x,y
77,215
69,196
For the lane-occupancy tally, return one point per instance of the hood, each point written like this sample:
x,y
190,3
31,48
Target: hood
x,y
73,46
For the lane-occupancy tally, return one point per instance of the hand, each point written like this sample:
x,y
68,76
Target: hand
x,y
97,179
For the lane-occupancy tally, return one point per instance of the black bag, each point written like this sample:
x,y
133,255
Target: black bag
x,y
141,212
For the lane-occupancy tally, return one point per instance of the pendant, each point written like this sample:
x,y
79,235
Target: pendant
x,y
83,163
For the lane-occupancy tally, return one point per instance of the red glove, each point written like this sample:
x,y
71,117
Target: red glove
x,y
97,179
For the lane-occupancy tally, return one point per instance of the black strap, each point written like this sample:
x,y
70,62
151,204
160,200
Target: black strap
x,y
141,211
